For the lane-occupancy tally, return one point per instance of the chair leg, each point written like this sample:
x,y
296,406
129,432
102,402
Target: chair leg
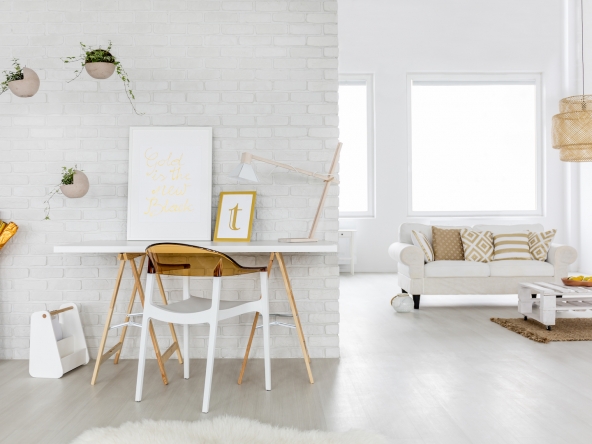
x,y
265,319
186,331
142,358
211,345
186,351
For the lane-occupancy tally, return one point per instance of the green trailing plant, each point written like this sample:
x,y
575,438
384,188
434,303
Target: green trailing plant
x,y
88,54
67,179
11,76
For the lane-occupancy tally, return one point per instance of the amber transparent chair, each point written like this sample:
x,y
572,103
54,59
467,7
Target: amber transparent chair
x,y
189,261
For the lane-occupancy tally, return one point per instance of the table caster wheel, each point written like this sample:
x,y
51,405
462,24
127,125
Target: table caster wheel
x,y
526,318
548,328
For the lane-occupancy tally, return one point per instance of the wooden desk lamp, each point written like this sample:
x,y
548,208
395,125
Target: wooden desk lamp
x,y
245,171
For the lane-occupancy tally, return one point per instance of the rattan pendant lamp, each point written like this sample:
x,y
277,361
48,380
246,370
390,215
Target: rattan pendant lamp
x,y
572,127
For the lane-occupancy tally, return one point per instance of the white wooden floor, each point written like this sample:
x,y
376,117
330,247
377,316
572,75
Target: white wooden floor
x,y
443,374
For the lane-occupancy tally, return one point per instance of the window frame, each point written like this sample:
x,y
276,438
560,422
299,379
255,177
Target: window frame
x,y
368,80
494,78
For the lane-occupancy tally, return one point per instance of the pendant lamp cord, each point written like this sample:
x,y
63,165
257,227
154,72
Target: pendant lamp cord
x,y
582,24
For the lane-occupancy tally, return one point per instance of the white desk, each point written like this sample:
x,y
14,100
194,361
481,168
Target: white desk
x,y
116,247
128,251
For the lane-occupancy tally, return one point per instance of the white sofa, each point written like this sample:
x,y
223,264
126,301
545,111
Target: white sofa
x,y
464,277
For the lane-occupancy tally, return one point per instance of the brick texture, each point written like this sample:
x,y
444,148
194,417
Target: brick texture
x,y
263,74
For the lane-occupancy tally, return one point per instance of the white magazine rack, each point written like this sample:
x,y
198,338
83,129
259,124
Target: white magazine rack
x,y
57,342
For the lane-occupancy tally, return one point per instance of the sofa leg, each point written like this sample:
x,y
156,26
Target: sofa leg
x,y
403,291
416,301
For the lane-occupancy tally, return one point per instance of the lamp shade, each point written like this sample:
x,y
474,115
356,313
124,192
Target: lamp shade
x,y
572,129
244,171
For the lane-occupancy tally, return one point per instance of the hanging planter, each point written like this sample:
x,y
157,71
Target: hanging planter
x,y
99,63
22,82
100,70
74,185
78,187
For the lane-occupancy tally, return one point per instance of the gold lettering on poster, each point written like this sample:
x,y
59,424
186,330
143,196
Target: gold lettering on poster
x,y
170,183
233,215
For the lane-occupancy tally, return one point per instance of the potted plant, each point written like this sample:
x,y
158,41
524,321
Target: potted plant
x,y
101,64
23,82
74,184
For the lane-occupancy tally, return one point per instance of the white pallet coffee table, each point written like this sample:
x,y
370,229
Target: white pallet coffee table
x,y
541,300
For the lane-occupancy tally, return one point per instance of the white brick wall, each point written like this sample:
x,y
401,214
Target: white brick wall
x,y
262,73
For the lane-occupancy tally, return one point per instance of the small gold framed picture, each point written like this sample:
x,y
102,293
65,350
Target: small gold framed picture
x,y
234,222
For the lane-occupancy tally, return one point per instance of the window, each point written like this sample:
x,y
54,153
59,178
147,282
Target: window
x,y
475,145
356,132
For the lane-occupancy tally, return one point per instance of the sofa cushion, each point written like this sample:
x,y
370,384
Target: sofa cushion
x,y
511,246
521,268
478,245
447,244
438,269
539,244
420,240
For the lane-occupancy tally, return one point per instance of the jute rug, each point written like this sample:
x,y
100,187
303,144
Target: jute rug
x,y
565,329
220,430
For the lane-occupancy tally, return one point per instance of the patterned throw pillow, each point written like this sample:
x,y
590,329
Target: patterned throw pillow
x,y
478,245
539,244
447,244
511,246
420,240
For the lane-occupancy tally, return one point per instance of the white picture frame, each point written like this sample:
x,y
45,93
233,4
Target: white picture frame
x,y
170,184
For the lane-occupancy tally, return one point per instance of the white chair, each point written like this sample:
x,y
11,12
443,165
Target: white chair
x,y
187,261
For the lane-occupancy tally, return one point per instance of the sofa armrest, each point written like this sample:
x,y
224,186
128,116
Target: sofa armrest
x,y
407,254
410,259
561,257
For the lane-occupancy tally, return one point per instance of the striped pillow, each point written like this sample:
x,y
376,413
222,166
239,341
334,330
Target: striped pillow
x,y
511,246
420,240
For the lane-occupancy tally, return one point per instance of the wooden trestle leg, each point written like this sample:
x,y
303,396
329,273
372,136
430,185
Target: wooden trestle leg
x,y
104,356
294,310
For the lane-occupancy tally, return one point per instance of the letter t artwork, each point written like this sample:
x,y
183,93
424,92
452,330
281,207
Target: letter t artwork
x,y
235,210
233,215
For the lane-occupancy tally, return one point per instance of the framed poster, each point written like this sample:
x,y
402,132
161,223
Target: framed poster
x,y
234,222
170,184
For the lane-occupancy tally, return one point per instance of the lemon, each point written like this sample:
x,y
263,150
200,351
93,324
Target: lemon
x,y
577,278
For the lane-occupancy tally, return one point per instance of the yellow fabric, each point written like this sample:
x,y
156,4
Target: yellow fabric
x,y
8,231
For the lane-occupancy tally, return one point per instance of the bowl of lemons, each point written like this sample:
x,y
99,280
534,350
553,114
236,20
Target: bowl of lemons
x,y
578,281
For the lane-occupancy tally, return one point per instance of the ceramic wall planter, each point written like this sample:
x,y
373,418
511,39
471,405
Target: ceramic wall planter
x,y
78,189
28,86
100,70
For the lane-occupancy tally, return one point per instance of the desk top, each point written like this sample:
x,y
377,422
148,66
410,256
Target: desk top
x,y
115,247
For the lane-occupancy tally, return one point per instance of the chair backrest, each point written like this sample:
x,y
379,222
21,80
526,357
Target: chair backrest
x,y
188,260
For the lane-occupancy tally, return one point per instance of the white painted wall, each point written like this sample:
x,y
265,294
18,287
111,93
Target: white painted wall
x,y
585,168
391,38
262,73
